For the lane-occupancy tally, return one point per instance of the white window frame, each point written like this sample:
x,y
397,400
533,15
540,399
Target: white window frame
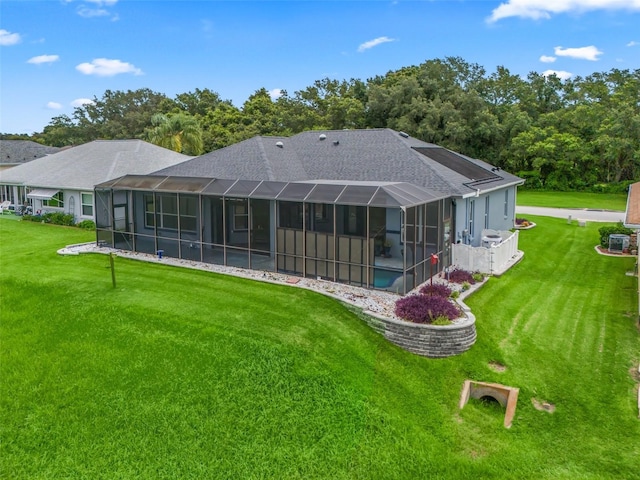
x,y
83,204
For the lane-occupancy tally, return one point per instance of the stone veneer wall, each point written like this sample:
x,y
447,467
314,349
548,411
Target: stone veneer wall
x,y
428,340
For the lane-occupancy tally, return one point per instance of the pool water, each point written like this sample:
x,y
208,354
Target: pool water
x,y
384,278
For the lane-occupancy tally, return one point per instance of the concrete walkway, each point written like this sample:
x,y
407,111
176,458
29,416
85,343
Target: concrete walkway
x,y
587,214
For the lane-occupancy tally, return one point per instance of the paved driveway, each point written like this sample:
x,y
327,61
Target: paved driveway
x,y
576,213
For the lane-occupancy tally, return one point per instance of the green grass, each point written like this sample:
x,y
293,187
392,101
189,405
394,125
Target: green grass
x,y
600,201
186,374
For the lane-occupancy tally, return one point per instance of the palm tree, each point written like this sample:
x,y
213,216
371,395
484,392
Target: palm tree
x,y
179,132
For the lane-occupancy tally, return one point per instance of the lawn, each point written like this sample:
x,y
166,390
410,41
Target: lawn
x,y
598,201
179,373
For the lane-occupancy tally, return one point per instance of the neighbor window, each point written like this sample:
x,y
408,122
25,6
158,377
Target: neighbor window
x,y
57,201
86,199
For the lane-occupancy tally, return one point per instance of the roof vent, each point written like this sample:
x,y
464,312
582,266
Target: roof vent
x,y
403,134
322,136
279,144
336,142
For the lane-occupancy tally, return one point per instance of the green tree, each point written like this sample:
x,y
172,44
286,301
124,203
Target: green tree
x,y
178,132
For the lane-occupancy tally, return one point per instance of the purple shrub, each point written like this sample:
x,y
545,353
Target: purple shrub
x,y
438,289
457,275
425,308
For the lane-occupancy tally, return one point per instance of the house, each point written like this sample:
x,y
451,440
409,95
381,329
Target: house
x,y
18,152
632,220
372,208
64,181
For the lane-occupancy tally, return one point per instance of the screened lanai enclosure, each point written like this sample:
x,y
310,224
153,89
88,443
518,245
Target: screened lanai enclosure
x,y
378,235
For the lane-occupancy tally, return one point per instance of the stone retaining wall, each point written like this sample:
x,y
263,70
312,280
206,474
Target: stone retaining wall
x,y
428,340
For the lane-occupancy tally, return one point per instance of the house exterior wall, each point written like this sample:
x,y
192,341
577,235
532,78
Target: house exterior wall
x,y
493,210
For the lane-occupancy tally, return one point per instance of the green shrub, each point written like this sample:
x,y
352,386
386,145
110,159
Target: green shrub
x,y
442,320
478,277
59,218
86,225
611,230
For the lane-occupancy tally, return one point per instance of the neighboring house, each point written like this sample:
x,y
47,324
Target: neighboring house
x,y
364,207
18,152
632,220
64,181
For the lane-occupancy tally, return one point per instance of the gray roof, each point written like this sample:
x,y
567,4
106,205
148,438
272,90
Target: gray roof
x,y
379,155
82,167
16,152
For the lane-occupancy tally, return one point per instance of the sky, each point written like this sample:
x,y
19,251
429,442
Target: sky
x,y
58,54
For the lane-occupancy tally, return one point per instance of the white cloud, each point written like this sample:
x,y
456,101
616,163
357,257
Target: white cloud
x,y
275,93
87,12
95,8
632,43
43,59
544,9
104,67
54,106
583,53
561,74
106,3
547,59
78,102
375,42
8,38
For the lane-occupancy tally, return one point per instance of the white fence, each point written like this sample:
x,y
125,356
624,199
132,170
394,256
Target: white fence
x,y
493,259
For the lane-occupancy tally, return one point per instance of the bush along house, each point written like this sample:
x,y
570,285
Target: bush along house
x,y
371,208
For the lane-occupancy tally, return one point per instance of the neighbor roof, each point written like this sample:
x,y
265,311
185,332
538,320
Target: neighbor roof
x,y
84,166
379,155
632,215
16,152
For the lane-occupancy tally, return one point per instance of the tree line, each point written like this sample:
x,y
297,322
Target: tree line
x,y
575,134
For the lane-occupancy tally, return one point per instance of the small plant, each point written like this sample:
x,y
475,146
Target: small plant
x,y
466,286
457,275
455,294
478,277
438,289
441,321
86,225
425,308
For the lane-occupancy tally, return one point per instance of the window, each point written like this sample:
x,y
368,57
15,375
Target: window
x,y
472,212
240,217
188,213
506,203
167,211
320,217
290,215
57,201
486,212
149,212
86,200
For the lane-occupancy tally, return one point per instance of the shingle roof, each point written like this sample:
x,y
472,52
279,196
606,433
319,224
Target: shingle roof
x,y
344,155
82,167
16,152
632,216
